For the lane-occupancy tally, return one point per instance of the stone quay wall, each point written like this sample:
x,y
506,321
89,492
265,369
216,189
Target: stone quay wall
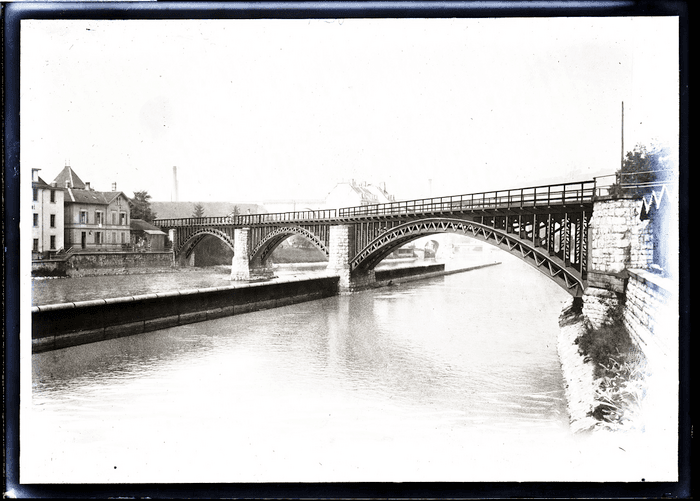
x,y
62,325
105,263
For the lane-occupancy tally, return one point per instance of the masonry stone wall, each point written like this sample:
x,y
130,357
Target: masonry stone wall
x,y
651,314
117,263
619,239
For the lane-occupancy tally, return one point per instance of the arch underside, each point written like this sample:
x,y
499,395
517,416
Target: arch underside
x,y
262,249
552,266
185,248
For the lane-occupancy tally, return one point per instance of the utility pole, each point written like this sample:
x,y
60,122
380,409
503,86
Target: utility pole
x,y
622,132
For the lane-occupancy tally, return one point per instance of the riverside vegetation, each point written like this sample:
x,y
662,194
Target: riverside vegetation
x,y
619,369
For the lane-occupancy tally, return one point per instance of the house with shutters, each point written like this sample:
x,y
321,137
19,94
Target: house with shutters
x,y
93,220
47,217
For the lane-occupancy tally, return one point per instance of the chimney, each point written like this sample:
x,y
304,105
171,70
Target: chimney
x,y
114,186
35,174
87,185
174,196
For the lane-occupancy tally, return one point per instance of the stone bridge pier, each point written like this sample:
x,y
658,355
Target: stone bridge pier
x,y
241,266
341,246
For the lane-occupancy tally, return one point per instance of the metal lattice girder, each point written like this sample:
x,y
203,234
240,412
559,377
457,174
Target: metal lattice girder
x,y
268,238
552,266
188,240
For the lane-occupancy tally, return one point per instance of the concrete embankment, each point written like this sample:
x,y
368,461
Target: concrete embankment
x,y
63,325
398,275
69,324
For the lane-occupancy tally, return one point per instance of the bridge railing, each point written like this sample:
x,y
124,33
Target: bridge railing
x,y
560,194
563,194
250,219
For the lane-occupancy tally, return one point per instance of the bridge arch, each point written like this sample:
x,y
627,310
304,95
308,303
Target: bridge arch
x,y
264,247
185,248
551,266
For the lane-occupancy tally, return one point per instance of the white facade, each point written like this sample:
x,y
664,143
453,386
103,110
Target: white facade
x,y
47,216
351,194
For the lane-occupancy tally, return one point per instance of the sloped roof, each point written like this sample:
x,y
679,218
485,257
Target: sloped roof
x,y
92,197
141,225
68,174
40,183
175,210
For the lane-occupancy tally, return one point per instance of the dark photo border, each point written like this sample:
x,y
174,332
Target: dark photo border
x,y
14,13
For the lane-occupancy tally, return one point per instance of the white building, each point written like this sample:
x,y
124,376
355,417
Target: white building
x,y
351,194
47,217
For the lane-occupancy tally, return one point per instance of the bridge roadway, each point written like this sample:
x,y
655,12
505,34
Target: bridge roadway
x,y
545,226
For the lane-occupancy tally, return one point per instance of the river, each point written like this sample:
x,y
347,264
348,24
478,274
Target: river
x,y
453,378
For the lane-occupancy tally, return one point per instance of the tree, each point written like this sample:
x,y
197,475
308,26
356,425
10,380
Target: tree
x,y
140,206
198,210
642,170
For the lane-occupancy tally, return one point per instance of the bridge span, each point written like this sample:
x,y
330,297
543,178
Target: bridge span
x,y
545,226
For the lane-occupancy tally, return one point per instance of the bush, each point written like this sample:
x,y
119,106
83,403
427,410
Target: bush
x,y
618,367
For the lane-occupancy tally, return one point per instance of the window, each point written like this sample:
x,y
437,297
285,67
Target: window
x,y
114,217
123,237
35,220
53,242
83,217
53,196
35,194
53,220
36,245
122,218
98,217
114,237
98,237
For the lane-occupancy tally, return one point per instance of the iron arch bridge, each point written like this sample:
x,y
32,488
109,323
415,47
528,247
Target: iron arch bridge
x,y
545,226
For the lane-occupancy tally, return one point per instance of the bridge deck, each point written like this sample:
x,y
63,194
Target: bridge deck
x,y
529,199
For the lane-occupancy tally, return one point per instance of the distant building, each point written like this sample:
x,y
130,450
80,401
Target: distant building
x,y
146,237
47,217
93,220
351,194
178,210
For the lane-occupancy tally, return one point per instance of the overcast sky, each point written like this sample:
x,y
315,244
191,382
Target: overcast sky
x,y
252,110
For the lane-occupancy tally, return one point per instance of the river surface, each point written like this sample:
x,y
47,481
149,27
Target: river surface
x,y
454,378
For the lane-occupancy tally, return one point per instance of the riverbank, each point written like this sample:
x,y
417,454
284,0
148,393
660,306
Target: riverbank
x,y
599,396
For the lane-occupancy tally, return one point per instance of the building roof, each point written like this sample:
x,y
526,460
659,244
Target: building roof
x,y
141,225
92,197
40,183
68,174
